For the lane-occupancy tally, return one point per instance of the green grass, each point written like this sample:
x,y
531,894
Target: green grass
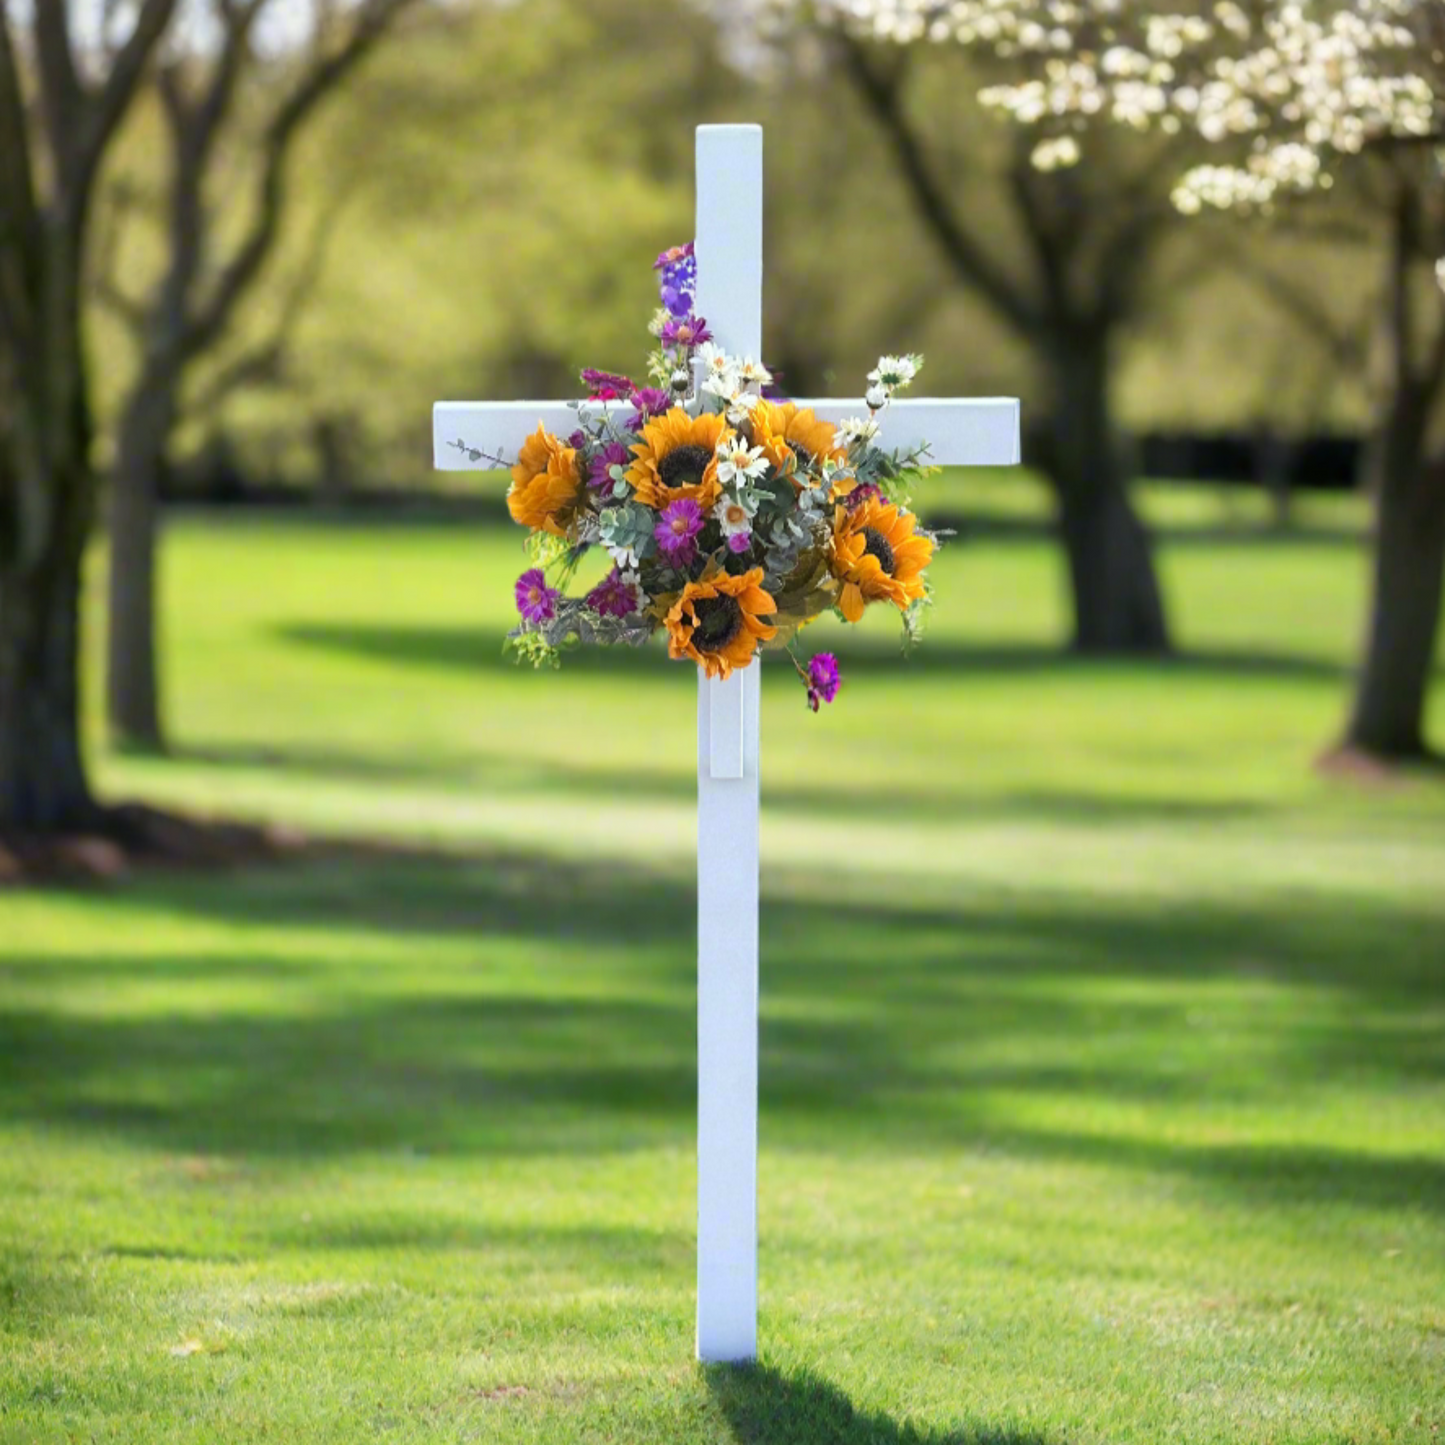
x,y
1103,1055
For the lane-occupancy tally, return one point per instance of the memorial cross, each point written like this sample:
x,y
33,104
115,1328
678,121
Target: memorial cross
x,y
984,432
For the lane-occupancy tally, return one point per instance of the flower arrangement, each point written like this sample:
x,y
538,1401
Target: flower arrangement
x,y
732,517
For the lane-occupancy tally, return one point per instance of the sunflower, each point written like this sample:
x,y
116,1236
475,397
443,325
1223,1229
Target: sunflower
x,y
675,459
718,621
785,430
875,554
546,483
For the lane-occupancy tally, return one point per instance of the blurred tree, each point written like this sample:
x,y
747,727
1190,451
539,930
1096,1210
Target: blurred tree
x,y
1278,98
1076,278
61,104
206,274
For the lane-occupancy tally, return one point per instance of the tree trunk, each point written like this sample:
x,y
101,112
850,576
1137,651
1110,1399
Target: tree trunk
x,y
1388,716
43,785
133,705
1118,605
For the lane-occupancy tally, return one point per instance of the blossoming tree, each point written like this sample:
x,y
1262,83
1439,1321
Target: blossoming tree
x,y
1074,268
1283,100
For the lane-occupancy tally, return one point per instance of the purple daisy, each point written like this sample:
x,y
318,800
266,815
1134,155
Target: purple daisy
x,y
612,597
614,454
740,541
648,402
677,529
690,330
577,440
606,385
536,601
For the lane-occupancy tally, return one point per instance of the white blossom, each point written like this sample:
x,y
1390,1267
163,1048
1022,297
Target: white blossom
x,y
733,515
738,462
894,371
630,579
715,361
854,429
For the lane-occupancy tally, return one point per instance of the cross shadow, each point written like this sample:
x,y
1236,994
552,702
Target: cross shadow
x,y
765,1406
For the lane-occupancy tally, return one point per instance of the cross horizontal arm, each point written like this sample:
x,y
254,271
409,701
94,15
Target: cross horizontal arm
x,y
494,429
963,432
468,436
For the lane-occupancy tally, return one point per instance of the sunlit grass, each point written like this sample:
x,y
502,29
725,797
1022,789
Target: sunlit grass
x,y
1102,1053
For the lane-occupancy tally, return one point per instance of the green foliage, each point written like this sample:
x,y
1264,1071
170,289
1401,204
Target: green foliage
x,y
495,238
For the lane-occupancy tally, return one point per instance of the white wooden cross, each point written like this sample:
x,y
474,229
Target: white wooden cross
x,y
729,240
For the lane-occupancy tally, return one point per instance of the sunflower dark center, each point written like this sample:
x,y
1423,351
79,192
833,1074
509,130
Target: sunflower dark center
x,y
802,453
684,466
719,620
875,544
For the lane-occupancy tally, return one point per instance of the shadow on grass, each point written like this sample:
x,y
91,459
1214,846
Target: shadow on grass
x,y
492,1006
626,778
765,1406
479,650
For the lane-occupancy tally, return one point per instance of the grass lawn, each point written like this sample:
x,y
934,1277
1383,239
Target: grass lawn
x,y
1103,1054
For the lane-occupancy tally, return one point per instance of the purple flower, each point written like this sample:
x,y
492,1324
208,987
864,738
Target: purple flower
x,y
740,541
577,440
675,256
612,597
614,454
678,265
863,492
677,301
676,529
606,385
689,331
648,401
823,679
536,601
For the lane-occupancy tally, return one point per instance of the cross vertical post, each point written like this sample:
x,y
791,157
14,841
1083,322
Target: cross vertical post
x,y
729,244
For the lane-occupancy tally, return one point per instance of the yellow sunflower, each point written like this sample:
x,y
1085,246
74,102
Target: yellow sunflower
x,y
876,555
675,459
546,483
718,621
783,430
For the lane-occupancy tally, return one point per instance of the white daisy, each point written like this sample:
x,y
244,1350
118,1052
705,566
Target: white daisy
x,y
740,406
737,402
876,396
738,462
633,583
624,557
733,516
715,361
894,371
752,372
855,429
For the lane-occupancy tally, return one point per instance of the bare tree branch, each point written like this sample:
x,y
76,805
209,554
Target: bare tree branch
x,y
110,104
881,92
374,20
62,98
19,228
265,362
